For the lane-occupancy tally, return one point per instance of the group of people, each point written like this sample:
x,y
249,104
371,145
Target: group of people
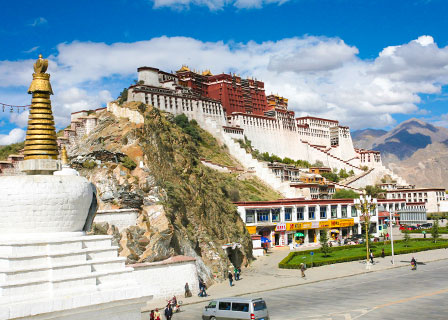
x,y
202,287
236,275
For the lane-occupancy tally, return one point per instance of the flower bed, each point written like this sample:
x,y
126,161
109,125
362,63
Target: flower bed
x,y
357,252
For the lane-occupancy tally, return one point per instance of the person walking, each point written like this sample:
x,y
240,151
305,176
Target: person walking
x,y
371,257
302,269
230,276
151,315
413,264
157,315
382,253
235,273
187,290
168,312
239,273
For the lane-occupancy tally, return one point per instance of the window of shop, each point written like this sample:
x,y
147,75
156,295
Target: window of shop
x,y
250,216
334,212
323,212
311,213
344,211
300,215
275,215
354,211
263,215
288,214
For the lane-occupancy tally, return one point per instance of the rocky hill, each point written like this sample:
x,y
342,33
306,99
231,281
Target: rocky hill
x,y
185,207
415,150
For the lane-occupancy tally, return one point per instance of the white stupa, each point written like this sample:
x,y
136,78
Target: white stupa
x,y
49,268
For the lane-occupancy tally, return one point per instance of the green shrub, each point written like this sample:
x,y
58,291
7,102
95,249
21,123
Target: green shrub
x,y
189,127
89,164
128,163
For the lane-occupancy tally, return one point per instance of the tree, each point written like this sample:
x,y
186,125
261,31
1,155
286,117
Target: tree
x,y
345,194
324,247
375,192
123,97
435,233
318,164
343,174
406,238
330,176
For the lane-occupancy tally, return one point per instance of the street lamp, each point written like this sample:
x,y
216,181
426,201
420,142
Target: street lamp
x,y
366,204
391,236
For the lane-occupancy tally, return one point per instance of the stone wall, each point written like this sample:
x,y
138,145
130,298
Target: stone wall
x,y
168,277
121,218
132,115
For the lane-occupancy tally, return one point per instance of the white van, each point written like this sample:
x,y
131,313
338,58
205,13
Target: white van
x,y
236,308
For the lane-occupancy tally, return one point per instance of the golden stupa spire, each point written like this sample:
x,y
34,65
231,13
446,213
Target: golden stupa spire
x,y
40,140
64,157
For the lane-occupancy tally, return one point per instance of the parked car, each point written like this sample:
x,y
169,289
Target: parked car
x,y
403,226
426,225
410,228
236,308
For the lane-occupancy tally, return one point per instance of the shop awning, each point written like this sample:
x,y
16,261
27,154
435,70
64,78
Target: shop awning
x,y
334,231
265,240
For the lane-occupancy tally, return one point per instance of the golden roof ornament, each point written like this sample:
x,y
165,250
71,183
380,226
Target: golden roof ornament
x,y
40,140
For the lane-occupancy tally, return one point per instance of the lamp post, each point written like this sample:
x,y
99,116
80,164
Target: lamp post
x,y
366,204
391,236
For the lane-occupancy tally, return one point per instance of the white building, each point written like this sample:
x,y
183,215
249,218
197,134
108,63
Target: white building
x,y
432,197
281,220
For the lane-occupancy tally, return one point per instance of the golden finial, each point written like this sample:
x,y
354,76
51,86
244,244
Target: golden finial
x,y
40,140
64,157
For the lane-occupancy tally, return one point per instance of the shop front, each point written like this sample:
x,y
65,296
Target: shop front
x,y
307,232
280,235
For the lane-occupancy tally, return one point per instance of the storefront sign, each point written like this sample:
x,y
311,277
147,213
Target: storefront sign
x,y
280,226
252,229
340,223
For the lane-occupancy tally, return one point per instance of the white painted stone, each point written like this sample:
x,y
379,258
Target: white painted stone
x,y
121,218
43,203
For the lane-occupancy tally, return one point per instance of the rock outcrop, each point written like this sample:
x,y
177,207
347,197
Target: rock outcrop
x,y
185,207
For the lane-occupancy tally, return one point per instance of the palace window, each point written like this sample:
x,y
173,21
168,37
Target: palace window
x,y
250,216
334,212
354,211
263,215
323,212
275,215
300,215
288,214
311,213
344,211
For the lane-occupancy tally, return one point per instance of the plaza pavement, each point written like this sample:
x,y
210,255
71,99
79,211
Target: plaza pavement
x,y
264,275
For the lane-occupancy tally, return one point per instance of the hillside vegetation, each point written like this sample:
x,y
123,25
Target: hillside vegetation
x,y
14,148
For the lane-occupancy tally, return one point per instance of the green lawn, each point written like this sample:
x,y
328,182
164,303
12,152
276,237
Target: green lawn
x,y
358,252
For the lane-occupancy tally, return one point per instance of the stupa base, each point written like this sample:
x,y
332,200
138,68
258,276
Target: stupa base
x,y
70,277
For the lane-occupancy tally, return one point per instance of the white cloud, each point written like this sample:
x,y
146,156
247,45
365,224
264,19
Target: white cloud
x,y
214,5
38,22
15,135
320,76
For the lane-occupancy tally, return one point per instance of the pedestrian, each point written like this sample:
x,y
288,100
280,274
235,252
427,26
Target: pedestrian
x,y
387,236
202,287
235,273
413,264
230,278
151,315
371,256
382,253
157,315
302,269
168,312
187,291
239,273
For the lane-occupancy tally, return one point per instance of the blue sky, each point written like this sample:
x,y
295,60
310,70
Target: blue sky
x,y
367,63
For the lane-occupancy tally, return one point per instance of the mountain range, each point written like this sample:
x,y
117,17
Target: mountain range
x,y
414,149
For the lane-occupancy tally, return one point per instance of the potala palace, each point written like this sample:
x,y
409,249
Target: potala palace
x,y
233,108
